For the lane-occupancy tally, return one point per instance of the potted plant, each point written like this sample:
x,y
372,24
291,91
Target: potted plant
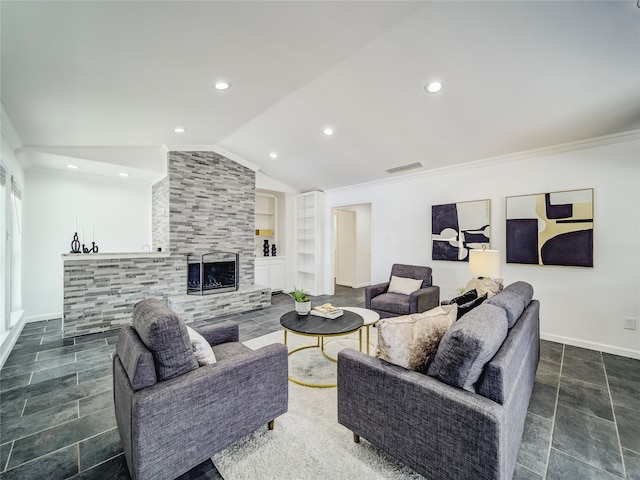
x,y
302,301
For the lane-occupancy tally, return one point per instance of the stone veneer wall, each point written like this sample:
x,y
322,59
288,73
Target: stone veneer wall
x,y
160,214
100,291
206,203
212,207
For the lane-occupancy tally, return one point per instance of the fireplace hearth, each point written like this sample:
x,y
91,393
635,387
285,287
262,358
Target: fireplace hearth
x,y
213,272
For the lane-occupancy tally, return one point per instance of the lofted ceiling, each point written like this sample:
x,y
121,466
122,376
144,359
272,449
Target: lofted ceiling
x,y
102,84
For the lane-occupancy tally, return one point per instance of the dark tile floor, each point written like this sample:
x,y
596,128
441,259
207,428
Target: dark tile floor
x,y
57,420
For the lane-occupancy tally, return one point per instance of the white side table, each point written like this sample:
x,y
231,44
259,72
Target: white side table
x,y
370,318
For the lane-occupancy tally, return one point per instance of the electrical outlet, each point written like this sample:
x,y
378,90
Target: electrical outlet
x,y
629,323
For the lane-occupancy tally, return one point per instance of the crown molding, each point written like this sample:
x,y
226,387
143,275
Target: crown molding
x,y
628,136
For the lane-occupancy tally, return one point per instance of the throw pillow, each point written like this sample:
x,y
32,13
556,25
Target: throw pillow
x,y
468,346
405,286
201,348
484,285
467,307
465,297
165,335
411,341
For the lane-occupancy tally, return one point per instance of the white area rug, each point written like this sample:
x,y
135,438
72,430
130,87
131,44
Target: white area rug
x,y
308,442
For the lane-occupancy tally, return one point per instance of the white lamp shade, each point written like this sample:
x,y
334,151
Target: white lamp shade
x,y
484,263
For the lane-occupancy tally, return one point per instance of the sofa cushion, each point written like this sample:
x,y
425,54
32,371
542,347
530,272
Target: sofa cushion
x,y
201,348
468,345
412,340
404,286
466,297
396,303
467,307
513,299
165,334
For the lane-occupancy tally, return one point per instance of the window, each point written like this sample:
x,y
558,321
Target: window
x,y
16,246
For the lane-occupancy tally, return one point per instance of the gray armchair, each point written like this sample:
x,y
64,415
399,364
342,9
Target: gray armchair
x,y
168,426
387,304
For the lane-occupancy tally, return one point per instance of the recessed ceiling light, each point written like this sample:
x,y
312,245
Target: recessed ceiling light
x,y
123,174
179,130
222,85
273,155
73,167
328,131
433,87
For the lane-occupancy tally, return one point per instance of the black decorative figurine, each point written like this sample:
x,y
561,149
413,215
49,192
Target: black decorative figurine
x,y
75,244
93,249
273,250
265,247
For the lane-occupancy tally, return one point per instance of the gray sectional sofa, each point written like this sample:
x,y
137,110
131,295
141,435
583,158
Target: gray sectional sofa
x,y
463,419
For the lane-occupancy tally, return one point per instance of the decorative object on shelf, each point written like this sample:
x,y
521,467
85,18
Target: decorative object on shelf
x,y
93,249
273,250
265,248
459,227
554,228
75,244
302,301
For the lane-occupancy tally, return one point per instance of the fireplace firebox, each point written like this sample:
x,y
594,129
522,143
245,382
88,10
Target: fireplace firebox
x,y
213,272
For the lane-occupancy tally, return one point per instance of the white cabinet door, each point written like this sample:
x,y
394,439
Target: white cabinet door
x,y
262,272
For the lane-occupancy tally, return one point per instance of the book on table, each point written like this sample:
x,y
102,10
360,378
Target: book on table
x,y
327,311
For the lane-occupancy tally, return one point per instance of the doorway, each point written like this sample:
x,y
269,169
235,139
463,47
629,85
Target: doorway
x,y
352,245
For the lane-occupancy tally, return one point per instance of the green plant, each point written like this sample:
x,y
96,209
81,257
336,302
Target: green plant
x,y
299,295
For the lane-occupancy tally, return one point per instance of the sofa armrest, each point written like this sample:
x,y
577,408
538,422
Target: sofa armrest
x,y
373,291
217,333
424,299
417,418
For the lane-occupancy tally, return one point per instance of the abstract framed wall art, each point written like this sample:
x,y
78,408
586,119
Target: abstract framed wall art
x,y
459,227
553,228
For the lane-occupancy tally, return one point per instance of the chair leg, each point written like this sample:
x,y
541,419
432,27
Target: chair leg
x,y
271,424
356,437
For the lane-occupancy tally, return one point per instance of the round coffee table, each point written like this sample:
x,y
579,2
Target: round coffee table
x,y
314,326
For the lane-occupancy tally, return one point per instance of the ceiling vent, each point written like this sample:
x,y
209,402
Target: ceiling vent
x,y
404,168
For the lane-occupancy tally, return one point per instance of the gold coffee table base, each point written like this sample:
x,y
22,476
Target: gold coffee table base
x,y
320,345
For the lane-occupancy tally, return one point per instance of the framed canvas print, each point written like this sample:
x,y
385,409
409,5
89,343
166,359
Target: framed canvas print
x,y
553,228
459,227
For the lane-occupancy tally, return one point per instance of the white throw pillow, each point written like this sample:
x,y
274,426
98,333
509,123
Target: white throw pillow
x,y
406,286
201,348
492,286
411,341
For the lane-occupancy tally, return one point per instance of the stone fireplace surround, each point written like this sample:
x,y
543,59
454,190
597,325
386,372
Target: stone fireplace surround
x,y
206,202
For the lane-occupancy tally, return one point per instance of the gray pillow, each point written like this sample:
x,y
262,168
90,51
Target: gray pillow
x,y
468,345
166,336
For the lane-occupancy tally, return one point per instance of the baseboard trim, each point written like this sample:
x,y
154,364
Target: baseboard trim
x,y
600,347
10,338
44,316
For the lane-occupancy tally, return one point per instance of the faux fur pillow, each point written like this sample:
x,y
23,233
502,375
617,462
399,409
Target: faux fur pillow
x,y
485,285
411,341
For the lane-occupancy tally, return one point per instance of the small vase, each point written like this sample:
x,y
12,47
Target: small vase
x,y
303,308
273,250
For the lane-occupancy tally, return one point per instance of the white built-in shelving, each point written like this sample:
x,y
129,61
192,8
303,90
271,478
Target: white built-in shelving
x,y
309,241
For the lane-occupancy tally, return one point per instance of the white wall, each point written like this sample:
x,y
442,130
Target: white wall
x,y
579,306
119,210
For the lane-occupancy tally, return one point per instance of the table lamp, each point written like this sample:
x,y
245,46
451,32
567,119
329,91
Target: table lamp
x,y
484,263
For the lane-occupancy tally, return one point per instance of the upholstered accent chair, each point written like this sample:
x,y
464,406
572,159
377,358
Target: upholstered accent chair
x,y
173,414
388,302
